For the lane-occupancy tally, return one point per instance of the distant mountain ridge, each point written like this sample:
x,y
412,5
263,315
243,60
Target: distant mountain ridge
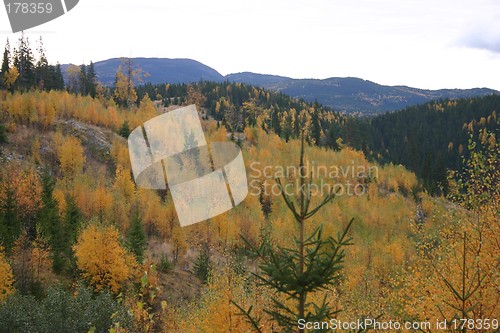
x,y
349,95
158,70
354,95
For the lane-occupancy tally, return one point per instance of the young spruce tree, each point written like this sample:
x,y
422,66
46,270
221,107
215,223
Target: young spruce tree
x,y
136,237
313,264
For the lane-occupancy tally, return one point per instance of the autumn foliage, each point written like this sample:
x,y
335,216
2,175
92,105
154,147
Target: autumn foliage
x,y
6,277
103,261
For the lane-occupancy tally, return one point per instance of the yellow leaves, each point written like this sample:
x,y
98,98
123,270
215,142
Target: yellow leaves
x,y
102,202
179,243
11,77
104,263
147,107
6,277
217,313
59,196
123,183
41,261
46,112
157,217
124,87
120,155
220,135
44,107
71,157
195,96
25,185
35,151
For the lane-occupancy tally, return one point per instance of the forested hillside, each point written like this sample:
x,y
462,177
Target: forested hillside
x,y
428,139
431,138
82,249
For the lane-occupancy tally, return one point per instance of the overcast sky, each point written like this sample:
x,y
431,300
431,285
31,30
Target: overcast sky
x,y
421,43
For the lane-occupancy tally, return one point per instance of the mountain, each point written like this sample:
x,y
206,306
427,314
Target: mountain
x,y
262,80
159,70
349,95
354,95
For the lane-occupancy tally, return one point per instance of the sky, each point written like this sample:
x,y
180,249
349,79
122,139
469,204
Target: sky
x,y
428,44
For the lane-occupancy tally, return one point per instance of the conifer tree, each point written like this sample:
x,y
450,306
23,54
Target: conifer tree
x,y
312,265
9,222
49,224
5,63
72,220
202,265
136,237
58,78
91,80
42,69
24,62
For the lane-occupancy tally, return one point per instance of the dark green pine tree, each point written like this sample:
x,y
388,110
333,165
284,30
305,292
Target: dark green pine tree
x,y
313,264
58,78
3,133
91,80
49,223
42,70
124,129
316,127
10,226
5,63
202,266
72,220
24,61
136,237
83,80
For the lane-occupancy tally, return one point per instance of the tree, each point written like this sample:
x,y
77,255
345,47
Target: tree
x,y
50,224
72,220
73,73
71,157
295,273
58,78
316,127
10,78
10,226
24,62
124,130
42,70
103,261
147,109
202,266
6,277
195,96
5,63
83,80
456,275
179,242
22,264
125,93
91,81
136,237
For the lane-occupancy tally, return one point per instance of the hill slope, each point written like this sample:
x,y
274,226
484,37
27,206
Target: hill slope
x,y
354,95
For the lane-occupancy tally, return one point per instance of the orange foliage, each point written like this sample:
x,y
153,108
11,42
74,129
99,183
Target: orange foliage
x,y
123,183
104,263
6,277
71,157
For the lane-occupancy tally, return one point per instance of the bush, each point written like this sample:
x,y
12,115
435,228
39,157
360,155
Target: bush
x,y
202,266
61,311
165,265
